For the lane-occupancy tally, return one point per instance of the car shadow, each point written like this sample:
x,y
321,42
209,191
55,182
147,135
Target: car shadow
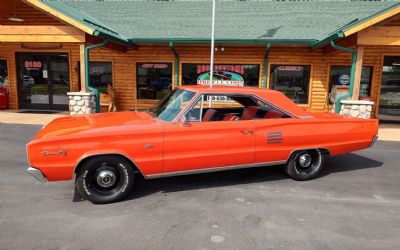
x,y
342,163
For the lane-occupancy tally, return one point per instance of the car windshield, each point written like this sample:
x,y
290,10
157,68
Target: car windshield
x,y
172,104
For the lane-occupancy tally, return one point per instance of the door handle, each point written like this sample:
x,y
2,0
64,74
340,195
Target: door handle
x,y
247,131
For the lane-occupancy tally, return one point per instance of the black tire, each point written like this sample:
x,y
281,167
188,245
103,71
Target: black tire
x,y
105,179
305,164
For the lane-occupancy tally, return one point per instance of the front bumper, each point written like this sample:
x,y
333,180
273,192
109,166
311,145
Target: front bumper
x,y
373,141
36,173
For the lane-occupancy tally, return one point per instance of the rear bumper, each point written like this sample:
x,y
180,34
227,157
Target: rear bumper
x,y
36,173
373,141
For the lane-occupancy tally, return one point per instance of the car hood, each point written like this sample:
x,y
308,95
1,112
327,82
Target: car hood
x,y
83,124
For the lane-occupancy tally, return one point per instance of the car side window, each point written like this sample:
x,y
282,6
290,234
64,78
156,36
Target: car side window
x,y
268,111
210,108
217,107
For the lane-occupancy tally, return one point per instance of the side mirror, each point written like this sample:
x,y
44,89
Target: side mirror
x,y
184,123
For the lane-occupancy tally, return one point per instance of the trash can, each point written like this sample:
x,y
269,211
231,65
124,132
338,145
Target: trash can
x,y
3,98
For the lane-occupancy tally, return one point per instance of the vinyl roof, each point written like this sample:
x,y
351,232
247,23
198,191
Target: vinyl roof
x,y
294,22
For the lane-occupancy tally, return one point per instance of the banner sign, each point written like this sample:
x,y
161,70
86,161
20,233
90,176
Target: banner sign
x,y
225,75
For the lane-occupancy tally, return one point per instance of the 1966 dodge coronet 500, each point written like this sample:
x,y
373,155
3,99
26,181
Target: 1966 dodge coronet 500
x,y
193,129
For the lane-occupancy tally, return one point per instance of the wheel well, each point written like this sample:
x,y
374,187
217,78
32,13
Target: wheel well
x,y
82,162
324,151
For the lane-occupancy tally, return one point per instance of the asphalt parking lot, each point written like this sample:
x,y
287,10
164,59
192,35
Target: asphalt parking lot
x,y
355,204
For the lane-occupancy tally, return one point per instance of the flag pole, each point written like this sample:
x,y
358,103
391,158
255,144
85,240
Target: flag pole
x,y
212,45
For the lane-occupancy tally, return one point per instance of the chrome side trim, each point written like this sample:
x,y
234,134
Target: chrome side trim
x,y
373,141
36,173
209,170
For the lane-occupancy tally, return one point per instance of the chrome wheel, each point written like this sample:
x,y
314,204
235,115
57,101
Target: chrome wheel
x,y
106,178
305,160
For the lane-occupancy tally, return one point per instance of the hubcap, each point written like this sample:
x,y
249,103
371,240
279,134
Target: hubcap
x,y
106,178
305,160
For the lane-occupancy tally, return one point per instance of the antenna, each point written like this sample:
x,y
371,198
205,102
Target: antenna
x,y
212,45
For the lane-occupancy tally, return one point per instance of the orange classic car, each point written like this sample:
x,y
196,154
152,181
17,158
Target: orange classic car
x,y
193,129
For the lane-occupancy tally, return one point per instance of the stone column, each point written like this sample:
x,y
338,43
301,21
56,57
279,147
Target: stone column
x,y
81,103
359,109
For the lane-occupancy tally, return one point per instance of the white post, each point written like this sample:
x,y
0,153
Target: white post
x,y
212,45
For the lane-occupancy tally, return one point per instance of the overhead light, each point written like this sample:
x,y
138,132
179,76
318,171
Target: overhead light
x,y
15,18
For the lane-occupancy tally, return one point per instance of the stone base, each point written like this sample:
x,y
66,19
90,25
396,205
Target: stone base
x,y
359,109
81,103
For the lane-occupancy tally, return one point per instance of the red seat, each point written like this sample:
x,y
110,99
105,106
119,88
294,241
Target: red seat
x,y
230,117
273,114
249,112
209,115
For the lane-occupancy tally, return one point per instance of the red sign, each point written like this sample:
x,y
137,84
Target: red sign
x,y
232,68
154,65
33,64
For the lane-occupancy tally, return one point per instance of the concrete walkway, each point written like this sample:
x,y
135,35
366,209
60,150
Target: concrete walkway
x,y
387,132
12,116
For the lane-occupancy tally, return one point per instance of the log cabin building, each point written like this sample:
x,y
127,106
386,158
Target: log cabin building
x,y
313,51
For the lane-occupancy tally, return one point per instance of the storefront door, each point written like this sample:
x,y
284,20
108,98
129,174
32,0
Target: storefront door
x,y
389,103
43,81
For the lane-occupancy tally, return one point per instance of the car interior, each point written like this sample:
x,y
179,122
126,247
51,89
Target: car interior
x,y
232,108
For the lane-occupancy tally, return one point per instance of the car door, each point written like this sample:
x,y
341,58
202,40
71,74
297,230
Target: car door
x,y
197,145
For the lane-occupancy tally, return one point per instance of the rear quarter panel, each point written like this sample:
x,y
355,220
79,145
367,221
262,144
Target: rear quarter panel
x,y
337,134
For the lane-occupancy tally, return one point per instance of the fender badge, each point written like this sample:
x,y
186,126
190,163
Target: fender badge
x,y
47,153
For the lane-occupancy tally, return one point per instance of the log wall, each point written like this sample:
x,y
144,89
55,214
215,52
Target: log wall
x,y
124,66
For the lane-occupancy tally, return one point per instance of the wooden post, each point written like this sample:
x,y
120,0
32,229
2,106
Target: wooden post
x,y
82,67
357,76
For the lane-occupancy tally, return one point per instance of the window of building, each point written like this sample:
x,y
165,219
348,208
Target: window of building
x,y
224,74
340,76
100,75
154,80
3,72
292,80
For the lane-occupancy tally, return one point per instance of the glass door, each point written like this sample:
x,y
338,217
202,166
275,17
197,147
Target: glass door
x,y
59,82
389,100
43,81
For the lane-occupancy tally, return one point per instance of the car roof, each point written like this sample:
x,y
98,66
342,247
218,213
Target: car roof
x,y
272,96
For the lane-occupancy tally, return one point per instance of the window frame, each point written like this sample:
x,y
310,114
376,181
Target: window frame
x,y
102,61
310,85
154,62
349,65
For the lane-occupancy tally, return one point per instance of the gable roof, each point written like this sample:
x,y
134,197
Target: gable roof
x,y
142,21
